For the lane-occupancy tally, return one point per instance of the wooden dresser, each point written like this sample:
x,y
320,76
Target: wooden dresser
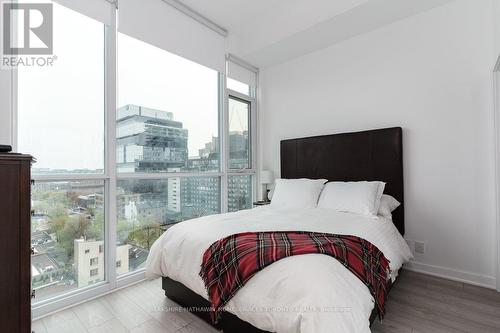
x,y
15,243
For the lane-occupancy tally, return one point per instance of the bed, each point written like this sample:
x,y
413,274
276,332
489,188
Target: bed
x,y
307,293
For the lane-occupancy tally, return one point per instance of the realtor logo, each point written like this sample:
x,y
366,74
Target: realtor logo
x,y
27,29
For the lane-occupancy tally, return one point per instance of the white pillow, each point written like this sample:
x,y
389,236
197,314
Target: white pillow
x,y
297,193
352,197
387,205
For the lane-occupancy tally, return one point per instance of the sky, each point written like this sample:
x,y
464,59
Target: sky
x,y
61,109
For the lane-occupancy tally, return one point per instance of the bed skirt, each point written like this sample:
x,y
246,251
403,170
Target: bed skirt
x,y
229,323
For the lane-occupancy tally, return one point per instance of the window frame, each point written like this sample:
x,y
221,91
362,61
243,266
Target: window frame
x,y
110,282
252,129
111,176
233,95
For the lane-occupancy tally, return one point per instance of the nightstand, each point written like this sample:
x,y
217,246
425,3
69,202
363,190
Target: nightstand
x,y
261,203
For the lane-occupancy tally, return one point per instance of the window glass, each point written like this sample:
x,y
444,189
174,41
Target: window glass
x,y
239,137
167,118
238,86
239,193
61,123
67,233
61,107
147,208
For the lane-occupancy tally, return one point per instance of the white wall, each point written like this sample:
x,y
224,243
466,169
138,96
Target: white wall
x,y
5,107
430,74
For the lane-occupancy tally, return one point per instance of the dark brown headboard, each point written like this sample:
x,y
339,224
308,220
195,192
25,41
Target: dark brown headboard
x,y
368,155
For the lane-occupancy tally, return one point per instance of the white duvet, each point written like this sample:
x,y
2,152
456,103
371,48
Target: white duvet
x,y
310,293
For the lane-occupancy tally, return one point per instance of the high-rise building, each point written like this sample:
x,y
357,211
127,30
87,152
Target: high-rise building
x,y
200,196
149,140
174,199
239,192
210,148
238,150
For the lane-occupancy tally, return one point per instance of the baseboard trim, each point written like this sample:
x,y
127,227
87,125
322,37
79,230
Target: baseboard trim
x,y
452,274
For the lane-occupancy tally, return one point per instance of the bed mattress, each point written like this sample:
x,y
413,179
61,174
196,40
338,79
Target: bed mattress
x,y
310,293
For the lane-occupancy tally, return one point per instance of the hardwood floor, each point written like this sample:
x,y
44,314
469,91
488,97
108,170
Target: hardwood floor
x,y
423,303
417,303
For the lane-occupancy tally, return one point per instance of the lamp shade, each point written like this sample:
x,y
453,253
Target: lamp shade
x,y
266,177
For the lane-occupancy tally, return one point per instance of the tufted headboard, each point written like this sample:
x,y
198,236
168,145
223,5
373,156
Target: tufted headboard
x,y
368,155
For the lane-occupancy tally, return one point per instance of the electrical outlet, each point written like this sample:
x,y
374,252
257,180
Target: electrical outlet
x,y
420,247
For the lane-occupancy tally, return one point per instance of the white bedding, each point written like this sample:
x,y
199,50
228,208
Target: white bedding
x,y
310,293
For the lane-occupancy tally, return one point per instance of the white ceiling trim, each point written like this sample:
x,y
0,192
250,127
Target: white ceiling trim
x,y
240,62
364,18
197,16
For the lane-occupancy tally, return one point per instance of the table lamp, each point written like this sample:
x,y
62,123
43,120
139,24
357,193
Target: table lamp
x,y
266,178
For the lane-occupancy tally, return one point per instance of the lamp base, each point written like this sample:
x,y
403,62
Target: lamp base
x,y
265,194
266,197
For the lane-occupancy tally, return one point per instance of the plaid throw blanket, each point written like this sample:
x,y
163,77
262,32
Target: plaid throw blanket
x,y
230,262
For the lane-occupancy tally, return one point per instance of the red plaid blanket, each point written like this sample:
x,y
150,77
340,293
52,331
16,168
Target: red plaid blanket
x,y
230,262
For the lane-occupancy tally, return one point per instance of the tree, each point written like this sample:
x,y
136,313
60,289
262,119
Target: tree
x,y
58,216
96,229
144,233
91,211
58,225
75,228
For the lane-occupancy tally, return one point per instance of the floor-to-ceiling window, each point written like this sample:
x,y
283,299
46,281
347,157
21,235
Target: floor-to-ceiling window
x,y
61,122
167,145
122,155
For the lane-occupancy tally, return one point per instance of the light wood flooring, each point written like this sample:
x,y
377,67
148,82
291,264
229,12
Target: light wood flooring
x,y
417,303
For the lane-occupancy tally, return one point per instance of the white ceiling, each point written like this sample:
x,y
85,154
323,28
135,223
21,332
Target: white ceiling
x,y
268,32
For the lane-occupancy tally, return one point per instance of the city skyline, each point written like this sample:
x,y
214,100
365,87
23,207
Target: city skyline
x,y
147,76
167,120
152,140
202,151
68,221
